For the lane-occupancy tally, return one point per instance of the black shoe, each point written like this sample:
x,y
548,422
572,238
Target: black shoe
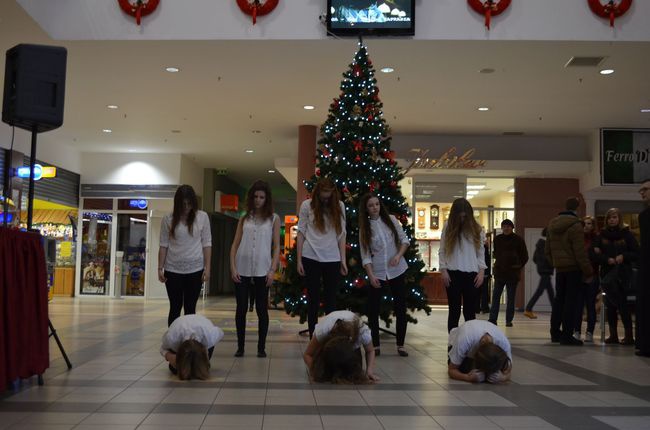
x,y
261,354
402,352
173,370
239,353
571,341
377,351
642,353
509,324
493,322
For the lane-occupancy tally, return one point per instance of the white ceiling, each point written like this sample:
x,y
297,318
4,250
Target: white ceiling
x,y
228,90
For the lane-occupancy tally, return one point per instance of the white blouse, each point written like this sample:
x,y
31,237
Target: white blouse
x,y
188,327
382,249
255,252
465,257
185,250
320,246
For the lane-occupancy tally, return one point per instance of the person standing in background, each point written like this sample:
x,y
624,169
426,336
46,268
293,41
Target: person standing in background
x,y
565,249
545,271
510,256
185,253
462,261
254,257
643,286
321,247
483,299
590,291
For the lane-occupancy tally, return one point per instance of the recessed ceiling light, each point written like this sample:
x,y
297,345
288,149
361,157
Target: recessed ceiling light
x,y
308,107
486,71
470,197
271,171
172,69
256,131
483,109
107,130
249,151
511,189
131,150
111,106
472,192
475,186
176,131
645,110
607,71
387,70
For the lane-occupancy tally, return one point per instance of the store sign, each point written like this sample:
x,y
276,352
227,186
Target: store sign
x,y
39,172
448,160
138,204
10,217
625,156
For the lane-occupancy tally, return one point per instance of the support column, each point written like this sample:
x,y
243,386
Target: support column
x,y
306,160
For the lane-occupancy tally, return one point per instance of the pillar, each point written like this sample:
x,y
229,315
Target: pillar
x,y
306,160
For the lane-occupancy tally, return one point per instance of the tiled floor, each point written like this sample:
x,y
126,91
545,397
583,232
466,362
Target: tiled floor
x,y
119,380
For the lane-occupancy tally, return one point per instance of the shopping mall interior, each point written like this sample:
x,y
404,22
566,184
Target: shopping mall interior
x,y
545,104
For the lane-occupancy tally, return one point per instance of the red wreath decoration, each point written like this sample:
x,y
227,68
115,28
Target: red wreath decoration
x,y
138,8
257,8
612,9
489,8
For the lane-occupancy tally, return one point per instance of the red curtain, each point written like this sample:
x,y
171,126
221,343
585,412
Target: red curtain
x,y
24,345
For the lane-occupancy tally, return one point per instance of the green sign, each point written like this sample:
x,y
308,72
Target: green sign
x,y
625,156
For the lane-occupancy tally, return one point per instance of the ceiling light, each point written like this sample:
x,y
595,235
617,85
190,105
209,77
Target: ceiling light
x,y
486,71
308,107
131,150
470,197
475,186
111,106
387,70
607,71
483,109
172,69
472,192
107,130
645,110
511,189
249,151
271,171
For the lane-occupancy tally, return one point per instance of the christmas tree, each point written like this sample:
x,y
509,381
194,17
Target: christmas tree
x,y
355,153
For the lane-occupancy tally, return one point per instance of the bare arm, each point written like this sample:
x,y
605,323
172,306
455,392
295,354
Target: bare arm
x,y
344,263
473,376
275,256
312,349
207,263
371,275
300,241
234,274
162,256
370,362
171,358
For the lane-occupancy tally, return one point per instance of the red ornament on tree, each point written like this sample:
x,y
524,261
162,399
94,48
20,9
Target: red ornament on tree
x,y
318,172
357,70
393,184
337,136
358,145
359,283
370,117
357,158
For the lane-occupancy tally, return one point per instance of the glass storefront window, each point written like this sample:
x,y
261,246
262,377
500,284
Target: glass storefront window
x,y
132,241
96,253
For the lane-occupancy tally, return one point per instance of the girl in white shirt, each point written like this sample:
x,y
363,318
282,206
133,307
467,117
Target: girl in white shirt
x,y
462,261
185,253
254,257
321,247
334,352
188,344
383,244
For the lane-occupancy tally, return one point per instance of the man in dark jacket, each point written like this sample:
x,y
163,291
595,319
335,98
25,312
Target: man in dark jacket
x,y
545,271
643,293
565,249
510,256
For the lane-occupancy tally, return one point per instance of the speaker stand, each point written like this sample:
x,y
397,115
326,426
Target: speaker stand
x,y
30,217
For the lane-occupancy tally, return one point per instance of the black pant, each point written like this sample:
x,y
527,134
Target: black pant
x,y
483,296
183,290
252,286
545,284
563,314
398,291
588,300
511,287
461,287
331,276
616,301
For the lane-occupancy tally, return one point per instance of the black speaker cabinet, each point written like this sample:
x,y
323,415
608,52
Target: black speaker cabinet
x,y
34,87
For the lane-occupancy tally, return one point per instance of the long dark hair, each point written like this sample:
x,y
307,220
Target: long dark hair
x,y
338,361
364,221
184,193
266,211
333,210
192,361
456,228
491,358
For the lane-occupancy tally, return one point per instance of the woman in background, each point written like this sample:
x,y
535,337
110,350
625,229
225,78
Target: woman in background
x,y
185,253
254,259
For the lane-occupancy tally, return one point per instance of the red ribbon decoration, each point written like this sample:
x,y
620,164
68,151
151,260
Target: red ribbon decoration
x,y
611,10
489,9
257,8
139,8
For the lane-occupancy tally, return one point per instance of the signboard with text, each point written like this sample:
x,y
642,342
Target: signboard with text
x,y
624,155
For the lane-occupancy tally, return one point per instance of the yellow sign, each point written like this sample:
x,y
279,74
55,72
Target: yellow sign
x,y
66,249
448,160
49,172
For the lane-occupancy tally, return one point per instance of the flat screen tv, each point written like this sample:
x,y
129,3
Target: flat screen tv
x,y
371,17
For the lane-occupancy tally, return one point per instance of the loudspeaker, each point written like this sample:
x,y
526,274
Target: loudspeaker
x,y
34,87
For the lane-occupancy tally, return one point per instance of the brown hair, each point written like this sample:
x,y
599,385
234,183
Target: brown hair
x,y
572,204
339,362
593,222
184,193
333,211
364,221
266,211
192,361
490,358
456,228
